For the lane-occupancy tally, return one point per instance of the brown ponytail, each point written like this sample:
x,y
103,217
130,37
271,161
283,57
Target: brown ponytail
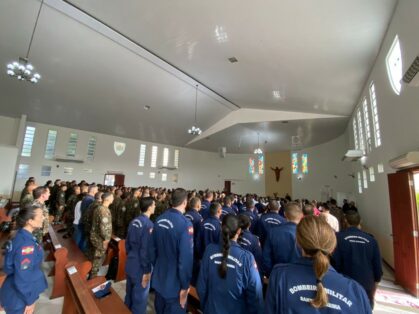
x,y
318,240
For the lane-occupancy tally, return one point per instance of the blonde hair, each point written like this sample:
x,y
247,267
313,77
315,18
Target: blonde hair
x,y
318,240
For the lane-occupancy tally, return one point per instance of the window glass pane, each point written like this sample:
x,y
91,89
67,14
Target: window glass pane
x,y
152,175
23,171
394,66
28,141
50,146
359,183
361,131
46,171
176,160
260,164
91,147
165,157
374,113
251,166
68,170
372,174
355,133
367,125
154,151
364,175
72,145
380,168
304,163
294,163
164,176
141,157
140,173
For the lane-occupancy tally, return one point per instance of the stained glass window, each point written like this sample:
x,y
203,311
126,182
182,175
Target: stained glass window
x,y
260,164
304,163
251,166
295,163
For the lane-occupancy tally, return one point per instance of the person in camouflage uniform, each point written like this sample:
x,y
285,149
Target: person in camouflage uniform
x,y
60,203
30,181
87,218
101,233
161,205
117,201
120,218
132,208
68,215
28,198
41,195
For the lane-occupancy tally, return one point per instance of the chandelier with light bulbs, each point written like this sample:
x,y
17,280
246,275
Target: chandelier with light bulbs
x,y
22,69
195,130
258,150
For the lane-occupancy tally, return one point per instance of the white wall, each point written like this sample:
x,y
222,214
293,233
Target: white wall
x,y
399,122
8,130
326,172
197,169
8,158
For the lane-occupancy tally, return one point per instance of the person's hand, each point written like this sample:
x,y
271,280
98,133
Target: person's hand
x,y
146,280
183,295
29,309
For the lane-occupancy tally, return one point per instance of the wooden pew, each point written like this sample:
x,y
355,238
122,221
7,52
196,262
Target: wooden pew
x,y
79,298
117,248
64,251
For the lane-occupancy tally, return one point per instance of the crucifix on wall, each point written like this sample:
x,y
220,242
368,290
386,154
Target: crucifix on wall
x,y
277,172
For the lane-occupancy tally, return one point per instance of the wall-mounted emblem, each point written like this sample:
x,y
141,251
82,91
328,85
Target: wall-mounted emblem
x,y
119,148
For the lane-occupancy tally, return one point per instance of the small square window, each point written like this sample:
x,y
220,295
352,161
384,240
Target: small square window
x,y
46,171
152,175
68,170
140,173
164,176
380,168
23,171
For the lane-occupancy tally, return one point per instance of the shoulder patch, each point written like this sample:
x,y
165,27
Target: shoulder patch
x,y
25,263
190,230
9,246
26,250
151,230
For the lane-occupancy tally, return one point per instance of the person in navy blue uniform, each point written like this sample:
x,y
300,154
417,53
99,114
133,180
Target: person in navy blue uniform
x,y
311,285
251,211
171,253
269,220
138,265
196,219
358,256
281,245
206,203
210,228
228,280
227,208
249,241
25,280
85,203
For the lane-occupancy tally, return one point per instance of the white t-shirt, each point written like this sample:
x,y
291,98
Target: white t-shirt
x,y
77,213
332,221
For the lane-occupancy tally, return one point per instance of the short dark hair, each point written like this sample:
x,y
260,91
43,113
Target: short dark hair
x,y
244,221
193,201
104,195
352,218
178,197
145,203
214,208
273,205
308,210
39,191
249,203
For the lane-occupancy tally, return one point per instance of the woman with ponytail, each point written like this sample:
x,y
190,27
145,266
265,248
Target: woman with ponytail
x,y
228,280
25,280
311,285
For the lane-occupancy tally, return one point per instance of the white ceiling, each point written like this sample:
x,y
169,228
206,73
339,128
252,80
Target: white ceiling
x,y
317,54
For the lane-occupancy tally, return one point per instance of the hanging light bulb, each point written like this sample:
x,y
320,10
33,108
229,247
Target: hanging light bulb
x,y
22,70
195,130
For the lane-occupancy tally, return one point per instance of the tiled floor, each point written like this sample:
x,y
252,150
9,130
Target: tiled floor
x,y
47,306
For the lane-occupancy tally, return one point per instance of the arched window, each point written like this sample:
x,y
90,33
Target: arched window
x,y
394,66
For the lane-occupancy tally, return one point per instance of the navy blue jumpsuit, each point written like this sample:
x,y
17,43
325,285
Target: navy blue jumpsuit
x,y
196,220
239,292
210,233
280,246
266,222
138,263
25,280
357,256
292,286
251,243
205,209
171,253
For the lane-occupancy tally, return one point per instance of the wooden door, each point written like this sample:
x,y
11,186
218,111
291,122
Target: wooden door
x,y
227,187
404,223
119,179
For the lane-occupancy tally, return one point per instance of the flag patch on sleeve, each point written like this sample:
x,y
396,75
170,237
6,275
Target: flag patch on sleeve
x,y
26,250
190,230
25,263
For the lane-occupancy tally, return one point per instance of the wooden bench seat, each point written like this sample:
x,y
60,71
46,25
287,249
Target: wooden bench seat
x,y
63,252
117,248
79,298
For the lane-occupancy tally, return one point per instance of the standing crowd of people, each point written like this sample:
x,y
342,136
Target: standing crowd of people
x,y
243,254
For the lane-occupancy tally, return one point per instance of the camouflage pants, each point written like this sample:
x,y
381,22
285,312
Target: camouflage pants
x,y
59,213
97,256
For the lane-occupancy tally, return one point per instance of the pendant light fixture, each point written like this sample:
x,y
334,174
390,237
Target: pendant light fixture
x,y
258,150
195,130
22,69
